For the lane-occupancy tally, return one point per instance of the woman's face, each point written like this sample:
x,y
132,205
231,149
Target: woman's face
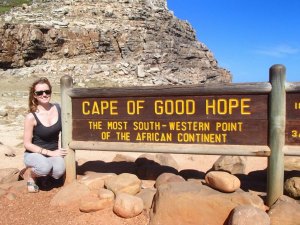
x,y
42,93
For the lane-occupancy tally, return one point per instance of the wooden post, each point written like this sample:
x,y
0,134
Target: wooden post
x,y
66,82
277,111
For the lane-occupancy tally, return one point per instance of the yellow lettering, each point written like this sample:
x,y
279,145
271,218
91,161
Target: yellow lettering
x,y
84,105
245,106
134,107
229,126
95,125
151,125
104,105
210,106
174,107
201,138
117,125
158,109
113,107
179,107
189,126
224,106
233,104
105,135
295,134
169,107
190,107
99,108
123,136
153,137
95,109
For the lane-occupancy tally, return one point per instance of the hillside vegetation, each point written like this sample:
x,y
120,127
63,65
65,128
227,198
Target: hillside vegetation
x,y
6,5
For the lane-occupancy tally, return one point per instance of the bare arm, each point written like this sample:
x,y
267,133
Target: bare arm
x,y
29,123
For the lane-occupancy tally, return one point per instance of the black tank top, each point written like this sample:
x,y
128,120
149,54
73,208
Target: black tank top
x,y
47,137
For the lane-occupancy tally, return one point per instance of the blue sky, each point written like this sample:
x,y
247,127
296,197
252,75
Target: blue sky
x,y
247,37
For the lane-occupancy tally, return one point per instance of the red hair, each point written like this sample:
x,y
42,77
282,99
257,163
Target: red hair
x,y
33,103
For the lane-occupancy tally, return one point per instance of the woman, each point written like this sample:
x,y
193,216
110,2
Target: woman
x,y
42,127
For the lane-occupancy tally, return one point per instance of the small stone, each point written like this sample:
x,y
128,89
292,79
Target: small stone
x,y
94,181
2,192
147,195
128,206
92,204
11,196
167,178
106,194
125,183
222,181
140,71
292,187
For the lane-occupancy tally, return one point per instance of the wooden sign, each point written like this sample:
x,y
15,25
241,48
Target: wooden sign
x,y
292,119
213,119
255,119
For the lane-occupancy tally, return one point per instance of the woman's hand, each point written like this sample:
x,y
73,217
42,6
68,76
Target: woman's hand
x,y
62,152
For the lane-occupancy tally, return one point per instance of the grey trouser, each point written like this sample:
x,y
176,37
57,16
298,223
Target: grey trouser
x,y
43,166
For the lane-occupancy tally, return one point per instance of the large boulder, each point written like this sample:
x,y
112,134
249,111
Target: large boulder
x,y
285,211
248,215
231,164
192,203
70,194
9,175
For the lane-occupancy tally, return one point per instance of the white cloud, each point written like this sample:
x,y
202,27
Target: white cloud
x,y
278,51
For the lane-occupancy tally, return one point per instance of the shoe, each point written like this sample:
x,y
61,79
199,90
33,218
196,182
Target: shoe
x,y
32,187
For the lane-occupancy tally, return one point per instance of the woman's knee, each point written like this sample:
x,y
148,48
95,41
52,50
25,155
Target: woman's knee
x,y
39,164
59,168
42,169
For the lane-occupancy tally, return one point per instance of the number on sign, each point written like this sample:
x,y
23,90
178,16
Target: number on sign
x,y
295,134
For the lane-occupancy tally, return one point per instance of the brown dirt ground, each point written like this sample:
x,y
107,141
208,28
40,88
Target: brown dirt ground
x,y
34,208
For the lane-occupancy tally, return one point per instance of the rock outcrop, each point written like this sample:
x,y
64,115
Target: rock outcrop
x,y
106,42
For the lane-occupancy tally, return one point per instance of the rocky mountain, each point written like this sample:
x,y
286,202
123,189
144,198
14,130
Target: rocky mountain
x,y
105,42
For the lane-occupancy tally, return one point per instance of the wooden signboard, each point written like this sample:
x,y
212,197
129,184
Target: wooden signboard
x,y
260,119
292,130
222,119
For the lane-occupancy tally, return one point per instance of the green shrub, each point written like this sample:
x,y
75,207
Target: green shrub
x,y
6,5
